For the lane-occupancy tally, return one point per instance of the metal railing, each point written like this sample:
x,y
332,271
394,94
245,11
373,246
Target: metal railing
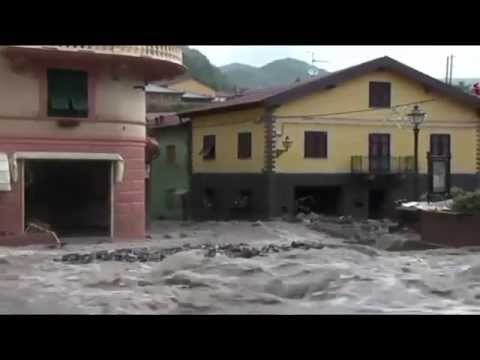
x,y
160,52
382,165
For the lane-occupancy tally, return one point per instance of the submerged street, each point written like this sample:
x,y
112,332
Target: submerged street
x,y
331,276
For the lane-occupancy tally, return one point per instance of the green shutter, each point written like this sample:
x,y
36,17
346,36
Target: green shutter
x,y
67,92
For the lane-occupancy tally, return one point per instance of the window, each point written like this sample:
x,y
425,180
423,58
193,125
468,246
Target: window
x,y
380,94
67,93
315,144
440,144
170,154
245,145
208,150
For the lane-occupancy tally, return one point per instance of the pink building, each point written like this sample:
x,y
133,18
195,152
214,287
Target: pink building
x,y
73,136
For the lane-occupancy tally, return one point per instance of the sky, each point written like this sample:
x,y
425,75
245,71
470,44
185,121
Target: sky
x,y
428,59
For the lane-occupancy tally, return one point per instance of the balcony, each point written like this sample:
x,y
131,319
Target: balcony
x,y
154,61
383,165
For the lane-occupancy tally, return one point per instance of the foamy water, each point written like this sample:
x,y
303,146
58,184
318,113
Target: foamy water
x,y
327,281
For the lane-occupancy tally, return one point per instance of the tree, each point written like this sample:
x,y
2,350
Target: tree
x,y
464,87
200,68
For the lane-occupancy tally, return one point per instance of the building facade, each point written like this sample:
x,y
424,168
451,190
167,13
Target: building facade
x,y
336,140
73,136
170,171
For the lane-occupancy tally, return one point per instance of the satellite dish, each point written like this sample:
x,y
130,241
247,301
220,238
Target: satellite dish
x,y
312,72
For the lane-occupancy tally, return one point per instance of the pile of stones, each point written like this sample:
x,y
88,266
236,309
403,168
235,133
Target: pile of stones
x,y
241,250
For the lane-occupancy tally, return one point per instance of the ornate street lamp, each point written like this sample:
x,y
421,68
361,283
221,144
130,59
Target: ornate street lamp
x,y
416,117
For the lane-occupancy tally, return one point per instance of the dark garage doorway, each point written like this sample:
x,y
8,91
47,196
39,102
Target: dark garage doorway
x,y
72,196
376,204
319,199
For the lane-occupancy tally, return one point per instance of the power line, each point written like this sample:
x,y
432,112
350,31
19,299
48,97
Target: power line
x,y
353,111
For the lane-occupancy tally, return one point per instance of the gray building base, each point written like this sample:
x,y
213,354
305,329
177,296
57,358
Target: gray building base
x,y
273,195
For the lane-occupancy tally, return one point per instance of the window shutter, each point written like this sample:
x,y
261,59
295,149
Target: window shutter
x,y
315,144
209,146
323,144
440,144
244,145
379,94
308,144
67,92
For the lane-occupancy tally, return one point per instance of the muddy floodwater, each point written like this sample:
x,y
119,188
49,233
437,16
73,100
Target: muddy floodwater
x,y
335,279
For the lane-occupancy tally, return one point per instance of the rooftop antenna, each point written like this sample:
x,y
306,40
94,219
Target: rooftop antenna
x,y
313,71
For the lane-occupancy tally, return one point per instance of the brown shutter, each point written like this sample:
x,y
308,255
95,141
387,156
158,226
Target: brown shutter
x,y
323,144
308,144
379,94
244,145
315,144
440,144
209,147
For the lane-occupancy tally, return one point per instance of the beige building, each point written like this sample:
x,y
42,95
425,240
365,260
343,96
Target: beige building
x,y
73,136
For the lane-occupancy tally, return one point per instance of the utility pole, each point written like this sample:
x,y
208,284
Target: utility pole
x,y
451,69
448,69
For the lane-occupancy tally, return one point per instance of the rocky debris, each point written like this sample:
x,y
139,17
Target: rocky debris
x,y
241,250
128,255
382,234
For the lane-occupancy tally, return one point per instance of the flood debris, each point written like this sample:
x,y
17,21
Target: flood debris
x,y
40,227
241,250
382,234
36,233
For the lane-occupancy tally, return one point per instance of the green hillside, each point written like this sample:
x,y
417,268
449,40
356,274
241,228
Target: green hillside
x,y
278,72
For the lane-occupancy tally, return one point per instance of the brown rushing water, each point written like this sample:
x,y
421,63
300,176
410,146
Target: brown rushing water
x,y
326,281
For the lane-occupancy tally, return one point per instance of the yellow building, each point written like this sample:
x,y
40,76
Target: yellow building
x,y
340,139
186,83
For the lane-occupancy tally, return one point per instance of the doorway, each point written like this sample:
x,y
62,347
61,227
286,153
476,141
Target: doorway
x,y
376,204
318,199
72,196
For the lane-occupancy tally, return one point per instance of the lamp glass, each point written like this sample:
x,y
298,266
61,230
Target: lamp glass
x,y
416,116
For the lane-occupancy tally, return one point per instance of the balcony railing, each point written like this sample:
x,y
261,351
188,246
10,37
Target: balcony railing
x,y
160,52
382,165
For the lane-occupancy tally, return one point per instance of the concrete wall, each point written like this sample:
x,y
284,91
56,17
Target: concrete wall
x,y
227,187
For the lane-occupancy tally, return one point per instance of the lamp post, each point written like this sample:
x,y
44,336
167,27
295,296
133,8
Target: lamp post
x,y
416,117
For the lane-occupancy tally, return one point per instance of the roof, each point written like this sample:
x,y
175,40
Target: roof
x,y
223,94
154,88
163,119
191,95
279,95
177,79
247,99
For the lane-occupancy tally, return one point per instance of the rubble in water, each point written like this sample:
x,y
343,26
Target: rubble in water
x,y
382,234
241,250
